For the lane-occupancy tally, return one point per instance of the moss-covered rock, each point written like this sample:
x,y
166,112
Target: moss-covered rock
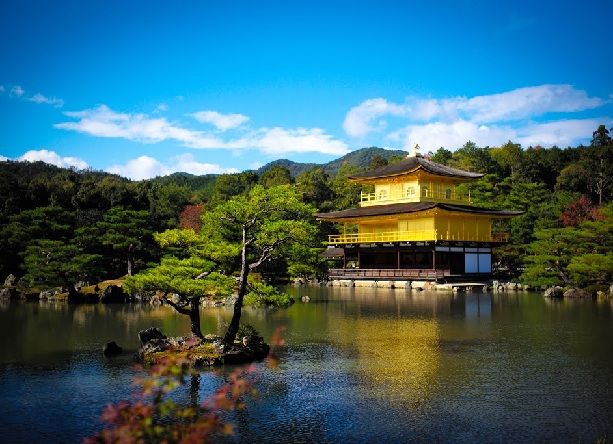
x,y
200,355
206,352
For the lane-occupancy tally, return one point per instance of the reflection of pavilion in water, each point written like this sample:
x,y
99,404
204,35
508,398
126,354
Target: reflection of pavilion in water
x,y
400,338
382,301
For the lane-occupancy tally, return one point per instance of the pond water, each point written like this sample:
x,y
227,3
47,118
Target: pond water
x,y
360,365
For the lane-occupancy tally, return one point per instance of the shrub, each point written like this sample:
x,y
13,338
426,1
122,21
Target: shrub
x,y
262,295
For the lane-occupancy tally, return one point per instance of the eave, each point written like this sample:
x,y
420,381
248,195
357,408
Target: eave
x,y
374,211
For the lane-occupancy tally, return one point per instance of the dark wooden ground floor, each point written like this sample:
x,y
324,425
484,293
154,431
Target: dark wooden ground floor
x,y
425,261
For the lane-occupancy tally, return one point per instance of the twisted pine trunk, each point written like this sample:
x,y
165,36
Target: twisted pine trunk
x,y
194,317
242,289
193,312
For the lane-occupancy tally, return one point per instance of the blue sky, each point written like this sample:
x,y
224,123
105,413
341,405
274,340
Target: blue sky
x,y
148,88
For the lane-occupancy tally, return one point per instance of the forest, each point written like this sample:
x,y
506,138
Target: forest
x,y
62,226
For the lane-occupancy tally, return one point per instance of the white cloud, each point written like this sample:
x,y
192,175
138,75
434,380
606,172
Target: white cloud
x,y
53,158
222,122
521,103
17,91
526,102
161,108
146,167
487,120
561,132
104,122
3,158
359,118
256,165
53,101
300,140
432,136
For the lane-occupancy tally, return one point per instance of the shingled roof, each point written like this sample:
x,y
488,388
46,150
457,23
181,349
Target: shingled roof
x,y
412,163
412,207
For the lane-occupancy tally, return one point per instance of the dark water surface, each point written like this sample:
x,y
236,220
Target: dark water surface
x,y
360,365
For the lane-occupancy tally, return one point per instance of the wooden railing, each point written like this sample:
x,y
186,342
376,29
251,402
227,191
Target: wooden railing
x,y
390,236
353,273
414,236
427,195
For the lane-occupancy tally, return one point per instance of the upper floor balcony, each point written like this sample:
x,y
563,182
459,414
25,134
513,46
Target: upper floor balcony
x,y
416,235
424,194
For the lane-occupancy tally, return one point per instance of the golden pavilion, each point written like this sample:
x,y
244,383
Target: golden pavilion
x,y
416,224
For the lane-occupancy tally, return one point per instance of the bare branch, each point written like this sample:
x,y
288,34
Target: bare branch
x,y
177,307
202,275
267,252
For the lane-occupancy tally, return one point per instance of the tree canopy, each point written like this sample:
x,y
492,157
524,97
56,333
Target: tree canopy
x,y
237,237
112,219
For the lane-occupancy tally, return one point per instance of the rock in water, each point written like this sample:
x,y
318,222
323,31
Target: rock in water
x,y
113,294
554,292
577,293
8,293
151,333
10,280
111,349
79,285
253,348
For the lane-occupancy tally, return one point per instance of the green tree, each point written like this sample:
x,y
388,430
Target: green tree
x,y
509,157
313,186
601,137
25,228
442,156
263,225
275,175
346,193
229,185
377,161
591,269
472,158
542,165
574,178
237,237
166,202
572,255
122,237
531,198
592,174
191,279
600,166
56,263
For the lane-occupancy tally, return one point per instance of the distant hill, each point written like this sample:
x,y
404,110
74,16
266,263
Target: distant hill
x,y
191,181
360,158
295,168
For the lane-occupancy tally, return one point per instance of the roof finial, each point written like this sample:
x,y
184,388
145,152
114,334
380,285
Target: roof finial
x,y
415,151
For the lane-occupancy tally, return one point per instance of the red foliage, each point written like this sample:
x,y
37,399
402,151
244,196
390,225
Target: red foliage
x,y
154,417
580,211
190,217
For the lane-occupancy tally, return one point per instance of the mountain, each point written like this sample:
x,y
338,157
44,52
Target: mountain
x,y
295,168
360,158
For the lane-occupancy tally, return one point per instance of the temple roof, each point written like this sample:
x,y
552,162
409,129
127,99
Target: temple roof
x,y
412,207
411,163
